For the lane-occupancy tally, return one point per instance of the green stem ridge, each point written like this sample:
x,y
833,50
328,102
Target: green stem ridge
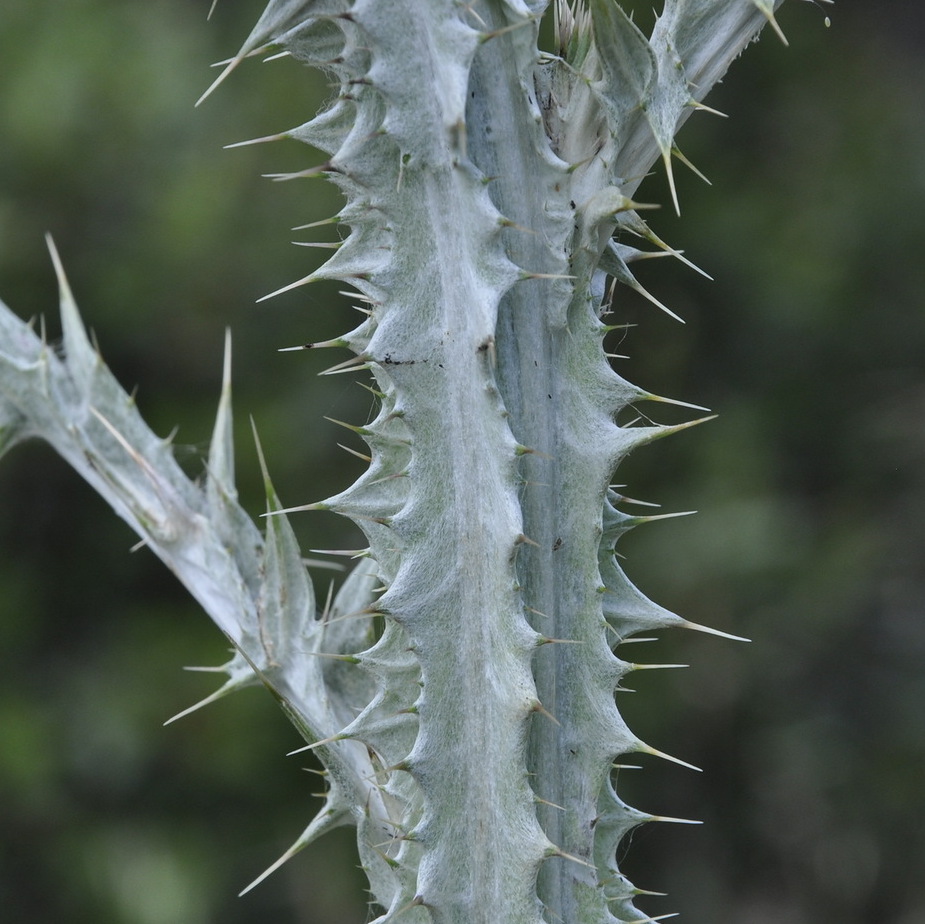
x,y
472,742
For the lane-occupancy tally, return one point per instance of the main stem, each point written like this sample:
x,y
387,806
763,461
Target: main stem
x,y
543,332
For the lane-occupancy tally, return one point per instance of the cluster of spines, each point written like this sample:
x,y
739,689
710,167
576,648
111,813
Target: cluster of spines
x,y
386,725
619,96
357,133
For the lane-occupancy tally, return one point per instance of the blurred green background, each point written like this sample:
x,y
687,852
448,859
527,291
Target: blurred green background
x,y
811,484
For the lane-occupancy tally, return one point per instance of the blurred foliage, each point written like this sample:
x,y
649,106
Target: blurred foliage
x,y
811,539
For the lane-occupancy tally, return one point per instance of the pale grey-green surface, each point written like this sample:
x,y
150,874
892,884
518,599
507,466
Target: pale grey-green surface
x,y
758,520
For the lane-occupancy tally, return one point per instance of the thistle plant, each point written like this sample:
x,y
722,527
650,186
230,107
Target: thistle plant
x,y
459,689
